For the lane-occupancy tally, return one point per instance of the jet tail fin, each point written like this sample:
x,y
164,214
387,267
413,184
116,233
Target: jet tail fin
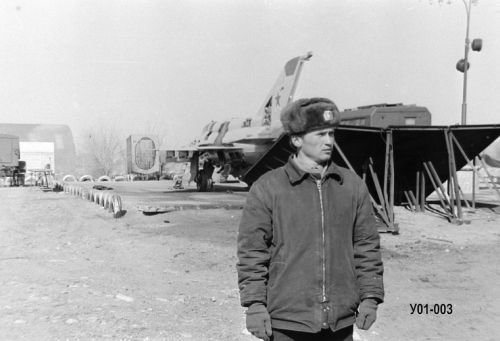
x,y
283,90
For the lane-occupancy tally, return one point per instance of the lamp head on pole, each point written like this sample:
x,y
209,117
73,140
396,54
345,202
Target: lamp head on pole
x,y
477,45
461,65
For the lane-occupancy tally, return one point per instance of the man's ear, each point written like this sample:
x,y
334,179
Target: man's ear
x,y
296,141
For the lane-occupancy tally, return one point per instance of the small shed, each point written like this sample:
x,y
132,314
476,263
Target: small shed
x,y
38,155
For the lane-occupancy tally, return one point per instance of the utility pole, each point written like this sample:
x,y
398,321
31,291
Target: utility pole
x,y
463,64
466,62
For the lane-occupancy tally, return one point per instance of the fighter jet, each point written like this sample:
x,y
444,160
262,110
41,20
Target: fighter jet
x,y
234,146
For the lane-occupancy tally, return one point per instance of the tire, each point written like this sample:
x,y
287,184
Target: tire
x,y
87,178
68,178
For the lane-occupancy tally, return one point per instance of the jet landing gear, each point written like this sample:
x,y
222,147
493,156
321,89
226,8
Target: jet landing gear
x,y
204,180
224,173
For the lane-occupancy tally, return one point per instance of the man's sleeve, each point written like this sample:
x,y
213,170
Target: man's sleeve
x,y
254,237
367,256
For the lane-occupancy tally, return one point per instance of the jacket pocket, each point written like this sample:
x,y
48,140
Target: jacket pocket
x,y
276,266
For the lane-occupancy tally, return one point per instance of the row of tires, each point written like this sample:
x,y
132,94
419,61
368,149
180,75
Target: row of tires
x,y
90,178
108,201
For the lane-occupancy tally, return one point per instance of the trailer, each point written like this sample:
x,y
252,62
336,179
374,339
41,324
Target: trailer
x,y
384,115
11,168
9,150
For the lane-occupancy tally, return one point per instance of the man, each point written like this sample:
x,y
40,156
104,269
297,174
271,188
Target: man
x,y
309,262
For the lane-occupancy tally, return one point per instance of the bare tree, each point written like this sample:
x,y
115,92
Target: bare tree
x,y
103,152
159,125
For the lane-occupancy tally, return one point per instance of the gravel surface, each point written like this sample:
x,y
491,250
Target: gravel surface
x,y
69,271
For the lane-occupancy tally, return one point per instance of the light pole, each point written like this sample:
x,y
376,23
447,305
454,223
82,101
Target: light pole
x,y
466,60
463,64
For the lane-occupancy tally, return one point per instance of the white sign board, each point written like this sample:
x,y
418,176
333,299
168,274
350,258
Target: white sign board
x,y
37,154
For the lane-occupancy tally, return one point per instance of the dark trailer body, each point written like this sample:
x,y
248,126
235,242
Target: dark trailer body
x,y
10,165
384,115
9,151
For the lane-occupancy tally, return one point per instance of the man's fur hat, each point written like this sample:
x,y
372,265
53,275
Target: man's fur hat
x,y
309,114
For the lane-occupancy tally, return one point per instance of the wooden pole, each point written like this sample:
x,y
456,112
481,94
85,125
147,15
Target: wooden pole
x,y
386,165
495,189
445,208
379,190
450,176
474,184
489,178
417,192
438,186
412,197
453,170
391,190
374,203
422,190
409,201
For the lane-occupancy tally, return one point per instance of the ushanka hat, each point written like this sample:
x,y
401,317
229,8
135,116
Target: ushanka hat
x,y
309,114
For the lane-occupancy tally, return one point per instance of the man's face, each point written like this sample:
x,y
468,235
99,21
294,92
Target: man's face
x,y
316,145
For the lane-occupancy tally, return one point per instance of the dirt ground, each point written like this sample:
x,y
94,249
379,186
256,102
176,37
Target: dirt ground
x,y
69,271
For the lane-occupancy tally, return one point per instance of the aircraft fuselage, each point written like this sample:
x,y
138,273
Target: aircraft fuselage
x,y
238,143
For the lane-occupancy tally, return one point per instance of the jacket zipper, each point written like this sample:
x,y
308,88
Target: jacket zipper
x,y
318,184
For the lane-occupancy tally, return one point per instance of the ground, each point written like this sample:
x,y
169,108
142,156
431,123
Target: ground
x,y
70,271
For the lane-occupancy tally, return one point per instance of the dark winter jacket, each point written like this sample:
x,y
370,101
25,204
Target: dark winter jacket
x,y
309,250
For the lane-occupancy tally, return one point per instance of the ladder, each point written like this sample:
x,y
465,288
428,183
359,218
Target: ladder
x,y
180,175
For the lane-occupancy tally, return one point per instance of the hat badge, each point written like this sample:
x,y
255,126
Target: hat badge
x,y
327,115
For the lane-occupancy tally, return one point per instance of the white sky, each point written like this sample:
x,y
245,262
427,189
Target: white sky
x,y
173,66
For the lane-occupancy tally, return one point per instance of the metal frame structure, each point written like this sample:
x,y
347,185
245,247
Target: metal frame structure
x,y
428,176
401,165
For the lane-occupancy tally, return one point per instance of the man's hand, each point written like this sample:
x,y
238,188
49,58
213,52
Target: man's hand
x,y
259,321
367,314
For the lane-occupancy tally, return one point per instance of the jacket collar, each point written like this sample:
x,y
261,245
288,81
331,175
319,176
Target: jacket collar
x,y
296,174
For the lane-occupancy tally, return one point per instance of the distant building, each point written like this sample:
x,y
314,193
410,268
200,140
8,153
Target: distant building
x,y
60,135
38,155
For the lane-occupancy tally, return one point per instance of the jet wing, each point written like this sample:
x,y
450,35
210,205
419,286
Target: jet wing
x,y
256,140
216,148
183,154
186,154
180,149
